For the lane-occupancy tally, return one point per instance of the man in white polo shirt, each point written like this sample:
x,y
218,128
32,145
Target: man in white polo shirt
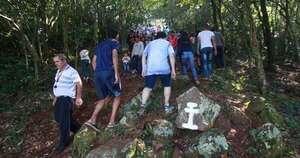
x,y
155,62
66,88
206,45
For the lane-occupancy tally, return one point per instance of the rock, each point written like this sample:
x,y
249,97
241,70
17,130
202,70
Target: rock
x,y
210,144
162,129
82,142
196,111
268,140
129,119
265,112
105,152
136,148
157,137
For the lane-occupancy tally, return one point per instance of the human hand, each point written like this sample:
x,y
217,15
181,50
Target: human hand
x,y
54,101
173,75
78,102
117,78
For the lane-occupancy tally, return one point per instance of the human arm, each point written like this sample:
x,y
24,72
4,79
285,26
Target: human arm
x,y
115,64
78,100
94,62
172,62
54,101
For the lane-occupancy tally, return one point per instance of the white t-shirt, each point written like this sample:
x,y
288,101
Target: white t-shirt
x,y
205,38
157,53
65,82
138,48
84,55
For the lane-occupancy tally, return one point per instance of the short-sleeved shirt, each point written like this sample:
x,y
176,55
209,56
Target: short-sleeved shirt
x,y
157,53
138,48
104,55
65,82
219,41
84,55
205,38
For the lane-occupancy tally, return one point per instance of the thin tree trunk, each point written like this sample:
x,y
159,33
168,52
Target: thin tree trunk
x,y
214,8
220,16
255,49
267,34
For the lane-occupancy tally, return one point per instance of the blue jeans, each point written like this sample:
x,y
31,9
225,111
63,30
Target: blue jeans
x,y
206,60
126,67
188,60
85,68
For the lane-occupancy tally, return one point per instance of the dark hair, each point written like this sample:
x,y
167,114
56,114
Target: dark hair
x,y
184,37
206,27
112,33
160,34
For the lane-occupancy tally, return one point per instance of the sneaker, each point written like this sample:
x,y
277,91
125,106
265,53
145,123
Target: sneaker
x,y
92,125
111,125
168,109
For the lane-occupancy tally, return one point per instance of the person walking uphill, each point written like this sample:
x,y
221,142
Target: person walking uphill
x,y
155,65
66,88
106,76
206,43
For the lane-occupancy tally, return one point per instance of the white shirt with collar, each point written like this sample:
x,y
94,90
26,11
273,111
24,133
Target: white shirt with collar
x,y
65,82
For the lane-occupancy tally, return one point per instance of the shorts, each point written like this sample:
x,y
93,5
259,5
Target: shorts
x,y
104,82
165,80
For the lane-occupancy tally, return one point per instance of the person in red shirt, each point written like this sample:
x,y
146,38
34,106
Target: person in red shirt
x,y
172,38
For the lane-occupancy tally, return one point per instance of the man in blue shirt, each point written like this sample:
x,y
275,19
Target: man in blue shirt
x,y
106,76
155,60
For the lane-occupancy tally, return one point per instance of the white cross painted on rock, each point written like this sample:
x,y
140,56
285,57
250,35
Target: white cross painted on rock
x,y
191,111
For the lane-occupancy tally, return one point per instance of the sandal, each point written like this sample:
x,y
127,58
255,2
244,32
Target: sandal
x,y
92,125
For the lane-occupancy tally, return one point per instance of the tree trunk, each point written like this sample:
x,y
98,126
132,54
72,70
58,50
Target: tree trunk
x,y
214,8
220,17
255,49
267,34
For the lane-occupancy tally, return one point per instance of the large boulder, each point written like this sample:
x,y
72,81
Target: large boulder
x,y
83,141
259,107
268,141
196,111
162,129
210,144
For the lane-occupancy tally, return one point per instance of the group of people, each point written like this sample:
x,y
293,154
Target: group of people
x,y
153,60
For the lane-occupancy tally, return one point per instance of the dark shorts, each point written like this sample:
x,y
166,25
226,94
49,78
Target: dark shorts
x,y
104,82
151,80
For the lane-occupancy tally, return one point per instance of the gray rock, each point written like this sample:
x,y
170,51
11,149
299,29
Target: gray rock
x,y
196,111
129,120
210,144
268,140
83,141
104,152
162,129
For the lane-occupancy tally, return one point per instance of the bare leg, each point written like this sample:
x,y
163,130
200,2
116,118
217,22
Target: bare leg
x,y
145,95
167,94
98,108
115,106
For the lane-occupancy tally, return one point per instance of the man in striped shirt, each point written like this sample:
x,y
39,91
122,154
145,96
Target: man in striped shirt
x,y
67,88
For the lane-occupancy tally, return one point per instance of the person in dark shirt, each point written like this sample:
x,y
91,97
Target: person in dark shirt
x,y
185,49
106,76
